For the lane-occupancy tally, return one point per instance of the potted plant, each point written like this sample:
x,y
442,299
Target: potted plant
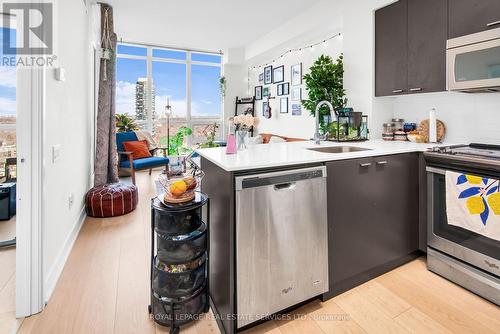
x,y
125,123
177,141
325,81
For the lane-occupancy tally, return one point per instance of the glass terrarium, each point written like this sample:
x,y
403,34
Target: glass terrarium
x,y
349,126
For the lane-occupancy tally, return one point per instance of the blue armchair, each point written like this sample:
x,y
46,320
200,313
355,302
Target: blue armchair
x,y
126,159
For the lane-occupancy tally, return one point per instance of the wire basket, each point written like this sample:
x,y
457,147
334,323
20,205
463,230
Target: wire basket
x,y
180,188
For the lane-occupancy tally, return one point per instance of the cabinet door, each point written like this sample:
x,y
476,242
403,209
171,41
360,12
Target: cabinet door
x,y
427,35
396,207
391,49
471,16
352,230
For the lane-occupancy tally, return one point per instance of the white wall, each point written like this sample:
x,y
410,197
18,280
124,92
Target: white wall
x,y
468,117
320,21
66,123
287,124
359,65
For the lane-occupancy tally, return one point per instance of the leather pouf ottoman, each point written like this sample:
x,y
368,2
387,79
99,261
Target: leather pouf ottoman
x,y
111,200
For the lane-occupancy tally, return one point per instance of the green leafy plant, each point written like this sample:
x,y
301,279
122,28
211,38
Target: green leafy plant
x,y
210,132
125,123
177,141
325,81
222,83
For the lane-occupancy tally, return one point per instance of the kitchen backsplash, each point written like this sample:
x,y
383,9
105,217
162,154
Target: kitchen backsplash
x,y
468,117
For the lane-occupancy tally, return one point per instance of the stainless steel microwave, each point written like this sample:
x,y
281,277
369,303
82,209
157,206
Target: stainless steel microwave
x,y
473,62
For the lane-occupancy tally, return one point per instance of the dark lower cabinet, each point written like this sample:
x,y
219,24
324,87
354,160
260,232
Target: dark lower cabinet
x,y
471,16
373,217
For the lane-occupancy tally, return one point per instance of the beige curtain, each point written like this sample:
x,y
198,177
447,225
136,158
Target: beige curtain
x,y
106,164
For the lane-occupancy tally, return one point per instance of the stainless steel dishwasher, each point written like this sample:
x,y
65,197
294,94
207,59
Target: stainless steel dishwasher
x,y
281,241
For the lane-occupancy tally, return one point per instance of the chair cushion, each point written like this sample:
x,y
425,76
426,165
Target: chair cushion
x,y
123,137
111,200
139,148
146,163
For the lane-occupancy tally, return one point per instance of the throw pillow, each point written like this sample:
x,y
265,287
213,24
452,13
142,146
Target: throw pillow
x,y
139,149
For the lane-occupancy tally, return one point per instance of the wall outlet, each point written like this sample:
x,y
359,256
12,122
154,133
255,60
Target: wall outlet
x,y
56,153
71,200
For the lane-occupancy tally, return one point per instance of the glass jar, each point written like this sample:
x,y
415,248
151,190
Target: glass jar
x,y
398,124
389,128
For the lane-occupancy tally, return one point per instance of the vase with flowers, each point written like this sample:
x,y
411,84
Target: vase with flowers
x,y
243,124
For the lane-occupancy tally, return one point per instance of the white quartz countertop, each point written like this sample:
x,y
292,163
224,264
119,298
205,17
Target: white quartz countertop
x,y
297,153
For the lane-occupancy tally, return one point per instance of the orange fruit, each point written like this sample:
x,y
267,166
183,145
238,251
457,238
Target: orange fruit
x,y
475,205
494,202
178,188
190,182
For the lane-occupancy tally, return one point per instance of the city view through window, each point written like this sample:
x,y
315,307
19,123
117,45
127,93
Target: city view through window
x,y
7,113
148,78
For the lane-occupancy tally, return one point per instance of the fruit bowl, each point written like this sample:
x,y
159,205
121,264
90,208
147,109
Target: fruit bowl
x,y
180,188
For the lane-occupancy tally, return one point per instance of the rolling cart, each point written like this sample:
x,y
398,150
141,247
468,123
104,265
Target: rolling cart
x,y
179,261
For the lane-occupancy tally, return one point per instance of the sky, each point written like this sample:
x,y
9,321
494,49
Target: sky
x,y
170,82
7,81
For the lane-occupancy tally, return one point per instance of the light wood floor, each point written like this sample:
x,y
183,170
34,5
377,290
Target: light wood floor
x,y
104,289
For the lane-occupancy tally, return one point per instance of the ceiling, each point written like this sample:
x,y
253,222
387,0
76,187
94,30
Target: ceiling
x,y
202,24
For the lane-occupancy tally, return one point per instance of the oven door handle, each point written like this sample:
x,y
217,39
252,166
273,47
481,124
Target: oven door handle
x,y
435,170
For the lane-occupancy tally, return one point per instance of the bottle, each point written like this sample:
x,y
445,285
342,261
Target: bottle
x,y
231,140
432,126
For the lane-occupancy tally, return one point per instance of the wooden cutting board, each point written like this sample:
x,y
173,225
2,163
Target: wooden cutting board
x,y
423,130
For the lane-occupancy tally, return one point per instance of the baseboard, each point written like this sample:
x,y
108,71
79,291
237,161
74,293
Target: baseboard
x,y
55,272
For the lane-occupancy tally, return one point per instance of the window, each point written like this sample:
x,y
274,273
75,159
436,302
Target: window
x,y
149,78
8,112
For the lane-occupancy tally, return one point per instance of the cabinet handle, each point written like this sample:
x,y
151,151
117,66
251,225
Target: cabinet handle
x,y
417,89
493,24
397,91
367,164
380,163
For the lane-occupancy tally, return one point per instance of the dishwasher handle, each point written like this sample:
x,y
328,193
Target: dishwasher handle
x,y
279,180
285,186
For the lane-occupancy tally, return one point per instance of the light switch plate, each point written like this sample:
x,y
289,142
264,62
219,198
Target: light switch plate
x,y
56,153
60,74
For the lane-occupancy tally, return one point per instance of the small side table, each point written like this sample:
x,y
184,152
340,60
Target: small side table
x,y
179,261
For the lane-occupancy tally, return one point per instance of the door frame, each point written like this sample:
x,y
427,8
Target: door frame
x,y
30,99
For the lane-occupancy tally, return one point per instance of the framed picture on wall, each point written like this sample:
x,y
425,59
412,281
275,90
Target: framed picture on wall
x,y
286,88
284,105
268,75
258,92
296,94
296,109
266,92
279,74
296,74
279,90
261,78
266,110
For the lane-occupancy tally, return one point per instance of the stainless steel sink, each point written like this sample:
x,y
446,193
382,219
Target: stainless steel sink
x,y
338,149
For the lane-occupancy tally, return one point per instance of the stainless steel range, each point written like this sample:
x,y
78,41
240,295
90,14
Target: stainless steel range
x,y
464,257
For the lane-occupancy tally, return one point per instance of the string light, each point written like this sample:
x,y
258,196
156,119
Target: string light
x,y
311,47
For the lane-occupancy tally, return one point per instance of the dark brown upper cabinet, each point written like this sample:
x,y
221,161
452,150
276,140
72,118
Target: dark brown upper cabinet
x,y
410,47
427,35
391,58
471,16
